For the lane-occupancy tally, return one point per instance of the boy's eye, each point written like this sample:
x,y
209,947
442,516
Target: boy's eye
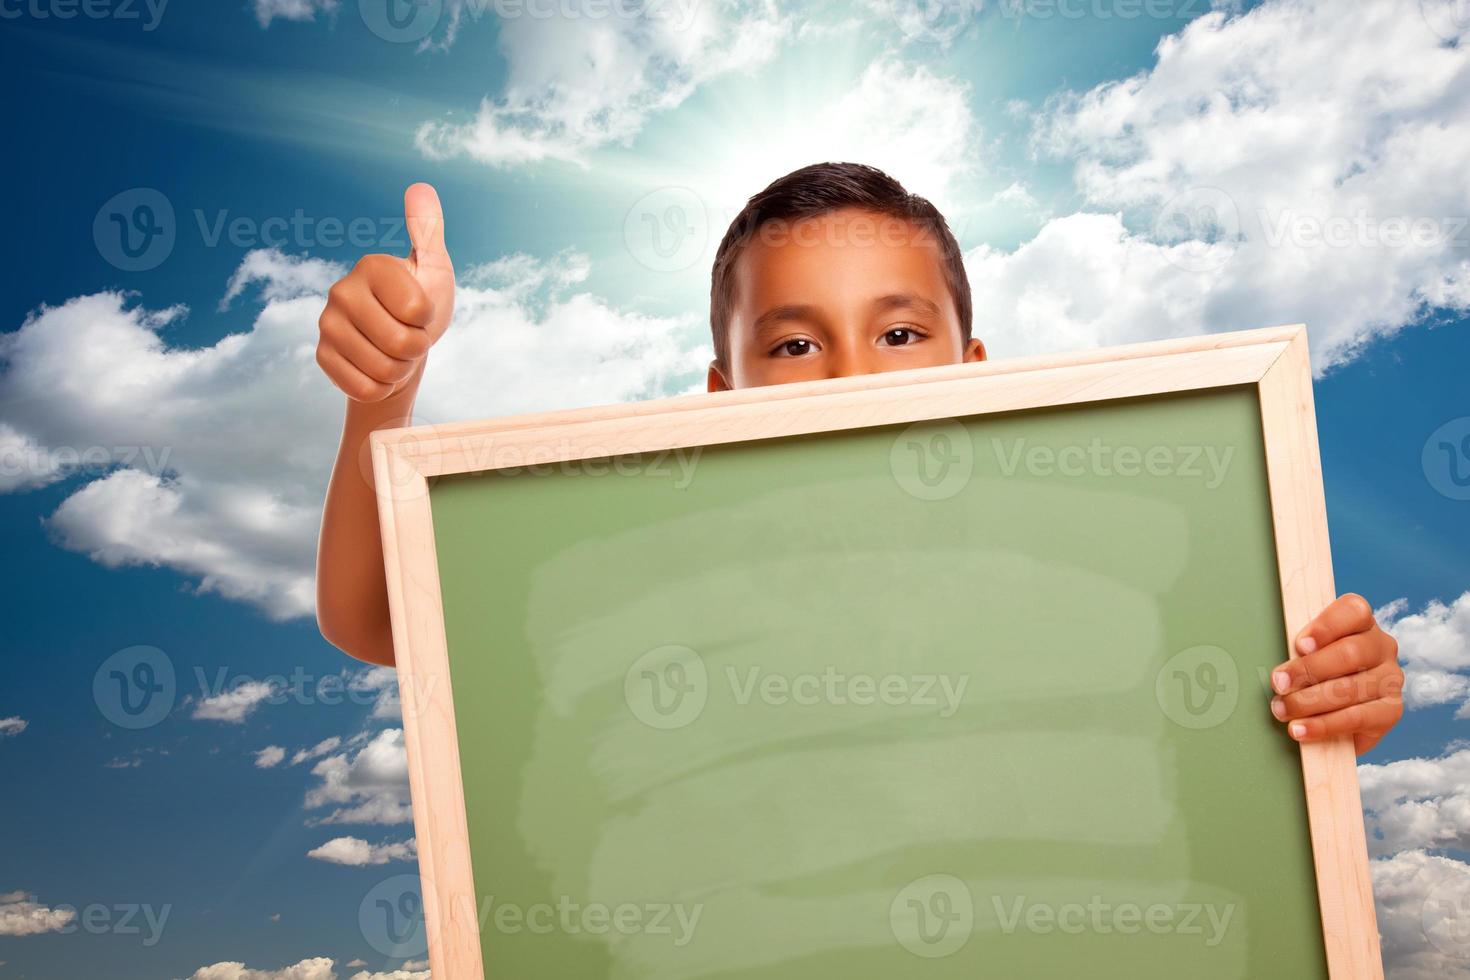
x,y
901,336
796,347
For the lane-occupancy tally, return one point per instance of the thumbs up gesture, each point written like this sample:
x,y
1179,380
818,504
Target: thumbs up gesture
x,y
383,316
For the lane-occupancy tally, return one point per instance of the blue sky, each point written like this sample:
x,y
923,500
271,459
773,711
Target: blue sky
x,y
1115,171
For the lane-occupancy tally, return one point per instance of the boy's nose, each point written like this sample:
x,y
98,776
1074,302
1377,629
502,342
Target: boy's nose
x,y
846,361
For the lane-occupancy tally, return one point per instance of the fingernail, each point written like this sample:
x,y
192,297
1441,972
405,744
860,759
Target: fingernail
x,y
1278,708
1281,681
1297,729
1306,644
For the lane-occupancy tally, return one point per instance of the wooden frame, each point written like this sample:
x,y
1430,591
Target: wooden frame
x,y
1274,360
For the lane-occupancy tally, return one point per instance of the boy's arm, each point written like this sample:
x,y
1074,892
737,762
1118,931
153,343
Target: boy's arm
x,y
376,330
351,591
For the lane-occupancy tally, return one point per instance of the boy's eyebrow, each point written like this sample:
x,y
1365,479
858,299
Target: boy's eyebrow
x,y
905,301
784,313
788,312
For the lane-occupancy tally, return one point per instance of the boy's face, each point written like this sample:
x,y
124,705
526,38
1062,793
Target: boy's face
x,y
848,292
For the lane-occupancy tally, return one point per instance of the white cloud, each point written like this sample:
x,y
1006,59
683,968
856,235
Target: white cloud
x,y
21,915
520,276
939,22
316,968
316,751
298,10
356,852
206,482
1423,936
1417,803
574,84
1083,281
1415,807
1017,197
134,759
269,757
369,786
213,460
387,707
413,970
898,116
130,517
383,680
236,704
280,276
901,118
13,725
1434,648
510,350
1286,119
25,463
893,114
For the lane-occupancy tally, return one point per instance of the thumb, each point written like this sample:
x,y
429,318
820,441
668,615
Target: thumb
x,y
425,219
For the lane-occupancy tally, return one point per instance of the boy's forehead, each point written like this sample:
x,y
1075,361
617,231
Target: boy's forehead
x,y
847,253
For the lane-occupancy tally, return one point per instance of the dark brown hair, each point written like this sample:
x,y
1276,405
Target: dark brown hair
x,y
816,190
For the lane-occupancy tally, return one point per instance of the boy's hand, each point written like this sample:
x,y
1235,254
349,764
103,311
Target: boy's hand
x,y
1346,681
382,317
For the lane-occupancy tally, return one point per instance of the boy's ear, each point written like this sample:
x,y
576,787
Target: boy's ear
x,y
716,380
975,350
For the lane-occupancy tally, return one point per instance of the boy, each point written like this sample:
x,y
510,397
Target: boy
x,y
833,270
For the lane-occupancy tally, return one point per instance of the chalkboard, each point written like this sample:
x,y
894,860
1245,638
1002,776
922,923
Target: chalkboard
x,y
957,673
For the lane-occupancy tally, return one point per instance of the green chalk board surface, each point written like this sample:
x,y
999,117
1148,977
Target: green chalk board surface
x,y
971,698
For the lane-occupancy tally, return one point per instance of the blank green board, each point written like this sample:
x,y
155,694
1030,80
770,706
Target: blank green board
x,y
705,731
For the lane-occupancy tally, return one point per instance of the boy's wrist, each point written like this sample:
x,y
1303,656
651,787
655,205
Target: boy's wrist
x,y
396,409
